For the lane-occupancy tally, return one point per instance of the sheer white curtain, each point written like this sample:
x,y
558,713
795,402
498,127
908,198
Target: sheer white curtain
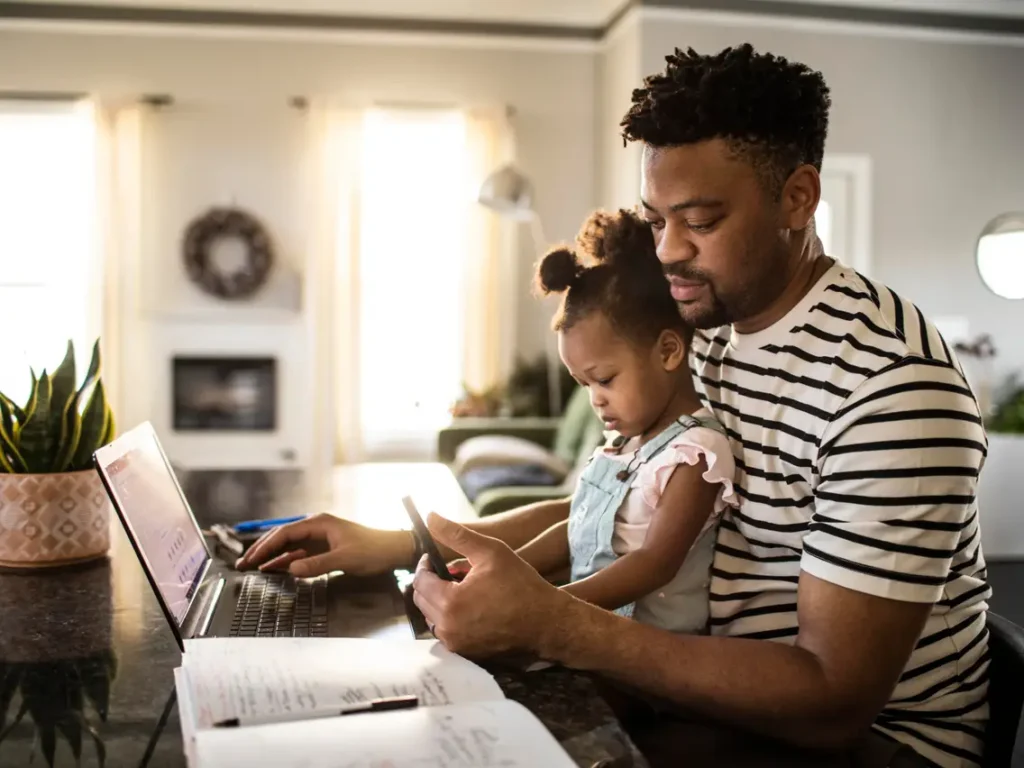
x,y
119,239
49,262
418,296
332,173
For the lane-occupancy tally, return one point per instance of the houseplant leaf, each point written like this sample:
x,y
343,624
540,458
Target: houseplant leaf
x,y
7,415
30,404
62,387
9,453
18,412
36,439
96,419
72,422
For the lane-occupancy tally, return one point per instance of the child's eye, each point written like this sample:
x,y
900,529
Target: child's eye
x,y
604,382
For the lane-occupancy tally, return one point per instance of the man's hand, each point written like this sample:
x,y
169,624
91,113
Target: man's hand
x,y
502,605
325,543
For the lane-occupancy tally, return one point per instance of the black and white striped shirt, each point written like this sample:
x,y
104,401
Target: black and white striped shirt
x,y
858,445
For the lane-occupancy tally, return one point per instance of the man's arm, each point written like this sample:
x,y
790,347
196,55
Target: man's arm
x,y
516,527
823,692
682,511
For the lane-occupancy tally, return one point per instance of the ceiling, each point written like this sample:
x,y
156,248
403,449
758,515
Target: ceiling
x,y
581,13
585,18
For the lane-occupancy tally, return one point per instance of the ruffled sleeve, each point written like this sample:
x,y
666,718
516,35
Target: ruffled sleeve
x,y
688,448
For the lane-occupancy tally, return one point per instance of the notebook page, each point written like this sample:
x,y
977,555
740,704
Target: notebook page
x,y
261,678
496,734
186,716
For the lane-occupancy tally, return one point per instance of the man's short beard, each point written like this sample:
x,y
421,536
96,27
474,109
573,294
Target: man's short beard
x,y
768,283
715,316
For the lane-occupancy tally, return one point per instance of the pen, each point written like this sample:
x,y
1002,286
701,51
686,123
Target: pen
x,y
376,705
252,526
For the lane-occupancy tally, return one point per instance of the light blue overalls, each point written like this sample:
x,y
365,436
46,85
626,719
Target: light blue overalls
x,y
682,605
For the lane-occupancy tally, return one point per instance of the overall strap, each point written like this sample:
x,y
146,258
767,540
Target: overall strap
x,y
657,444
709,422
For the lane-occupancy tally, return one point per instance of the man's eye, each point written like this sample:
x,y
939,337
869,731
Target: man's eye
x,y
655,224
701,226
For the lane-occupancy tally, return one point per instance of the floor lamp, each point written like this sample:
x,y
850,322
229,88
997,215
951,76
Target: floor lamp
x,y
509,193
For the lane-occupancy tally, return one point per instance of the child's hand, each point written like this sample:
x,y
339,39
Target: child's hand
x,y
459,568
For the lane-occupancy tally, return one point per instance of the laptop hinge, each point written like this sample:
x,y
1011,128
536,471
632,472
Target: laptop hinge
x,y
211,606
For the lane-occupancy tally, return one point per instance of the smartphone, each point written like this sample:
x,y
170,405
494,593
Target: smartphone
x,y
433,554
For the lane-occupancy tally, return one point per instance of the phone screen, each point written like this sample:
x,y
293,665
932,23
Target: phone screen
x,y
436,561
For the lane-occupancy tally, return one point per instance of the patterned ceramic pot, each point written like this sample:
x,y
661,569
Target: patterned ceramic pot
x,y
53,520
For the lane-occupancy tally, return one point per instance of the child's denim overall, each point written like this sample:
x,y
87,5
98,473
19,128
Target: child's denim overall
x,y
599,494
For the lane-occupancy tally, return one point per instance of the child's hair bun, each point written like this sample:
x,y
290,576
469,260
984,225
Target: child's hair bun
x,y
558,270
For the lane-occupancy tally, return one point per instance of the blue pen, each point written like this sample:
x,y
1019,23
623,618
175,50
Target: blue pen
x,y
252,526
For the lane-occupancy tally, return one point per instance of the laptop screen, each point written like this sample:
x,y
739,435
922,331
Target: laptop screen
x,y
160,521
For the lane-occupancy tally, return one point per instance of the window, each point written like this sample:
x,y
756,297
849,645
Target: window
x,y
47,237
843,217
414,229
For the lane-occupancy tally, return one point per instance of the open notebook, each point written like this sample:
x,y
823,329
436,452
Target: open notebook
x,y
272,686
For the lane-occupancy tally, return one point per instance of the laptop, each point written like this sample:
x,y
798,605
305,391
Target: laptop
x,y
202,597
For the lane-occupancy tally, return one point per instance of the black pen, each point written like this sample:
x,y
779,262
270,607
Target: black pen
x,y
374,705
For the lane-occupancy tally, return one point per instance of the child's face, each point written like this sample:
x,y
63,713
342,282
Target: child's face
x,y
629,387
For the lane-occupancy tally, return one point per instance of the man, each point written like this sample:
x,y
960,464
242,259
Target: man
x,y
848,590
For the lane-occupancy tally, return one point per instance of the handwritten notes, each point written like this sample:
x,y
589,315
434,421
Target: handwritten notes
x,y
497,734
288,677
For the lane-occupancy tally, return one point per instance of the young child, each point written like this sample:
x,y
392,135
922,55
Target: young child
x,y
641,529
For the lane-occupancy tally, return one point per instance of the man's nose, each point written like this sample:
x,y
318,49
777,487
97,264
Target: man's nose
x,y
674,246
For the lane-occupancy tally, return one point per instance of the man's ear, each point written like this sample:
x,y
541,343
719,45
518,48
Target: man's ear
x,y
671,350
800,196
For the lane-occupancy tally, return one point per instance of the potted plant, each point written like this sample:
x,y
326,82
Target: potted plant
x,y
53,508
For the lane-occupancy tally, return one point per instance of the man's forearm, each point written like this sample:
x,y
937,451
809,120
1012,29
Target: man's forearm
x,y
772,688
518,526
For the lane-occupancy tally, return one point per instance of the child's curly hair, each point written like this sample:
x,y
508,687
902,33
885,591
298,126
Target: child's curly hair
x,y
613,269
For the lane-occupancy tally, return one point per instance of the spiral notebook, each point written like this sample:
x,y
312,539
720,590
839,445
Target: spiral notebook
x,y
280,694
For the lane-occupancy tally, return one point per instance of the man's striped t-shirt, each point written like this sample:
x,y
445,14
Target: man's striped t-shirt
x,y
858,445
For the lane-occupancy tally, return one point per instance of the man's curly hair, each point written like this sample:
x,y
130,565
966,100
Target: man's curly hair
x,y
774,113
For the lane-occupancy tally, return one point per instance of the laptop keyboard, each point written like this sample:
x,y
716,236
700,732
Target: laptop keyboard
x,y
275,605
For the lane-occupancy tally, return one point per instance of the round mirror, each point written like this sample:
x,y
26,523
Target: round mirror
x,y
1000,255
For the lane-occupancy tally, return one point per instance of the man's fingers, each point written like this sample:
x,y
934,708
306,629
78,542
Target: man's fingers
x,y
432,588
281,562
274,542
472,545
312,566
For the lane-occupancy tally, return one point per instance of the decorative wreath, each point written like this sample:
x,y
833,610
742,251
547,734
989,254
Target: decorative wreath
x,y
219,223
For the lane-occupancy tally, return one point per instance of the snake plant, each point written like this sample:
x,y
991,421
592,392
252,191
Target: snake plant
x,y
60,425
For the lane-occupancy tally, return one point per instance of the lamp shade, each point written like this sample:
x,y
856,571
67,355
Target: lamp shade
x,y
508,192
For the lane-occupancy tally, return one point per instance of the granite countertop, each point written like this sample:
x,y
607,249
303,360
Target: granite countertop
x,y
86,660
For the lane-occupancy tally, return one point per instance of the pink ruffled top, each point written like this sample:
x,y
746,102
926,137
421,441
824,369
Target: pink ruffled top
x,y
634,516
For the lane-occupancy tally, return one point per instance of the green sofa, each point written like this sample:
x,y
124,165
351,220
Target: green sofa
x,y
573,437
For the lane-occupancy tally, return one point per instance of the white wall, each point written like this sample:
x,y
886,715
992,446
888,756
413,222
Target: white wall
x,y
553,92
941,122
620,70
